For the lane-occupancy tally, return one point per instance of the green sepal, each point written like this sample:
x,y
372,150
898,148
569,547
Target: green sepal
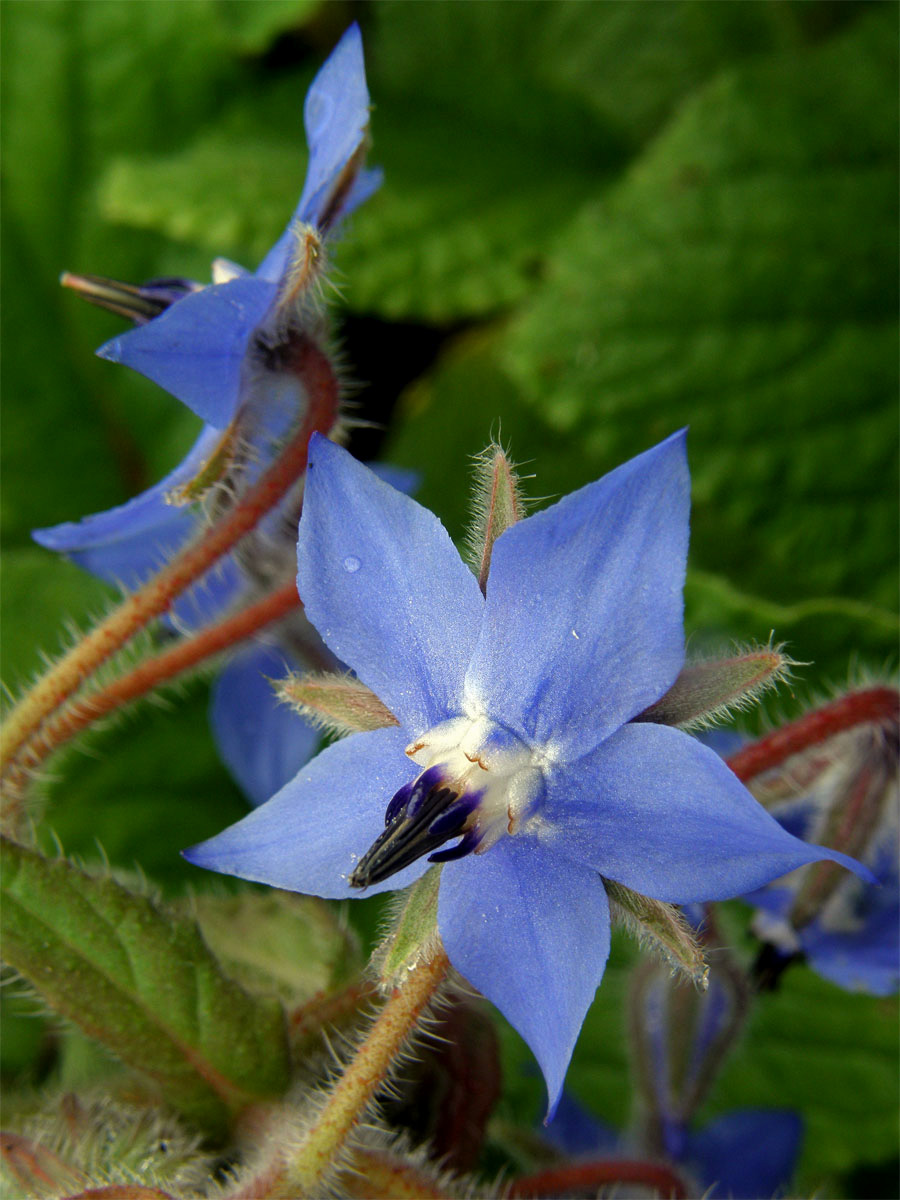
x,y
338,704
496,503
708,691
72,1144
662,928
414,936
141,981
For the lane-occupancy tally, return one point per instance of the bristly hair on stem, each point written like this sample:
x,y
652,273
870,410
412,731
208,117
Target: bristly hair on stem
x,y
497,503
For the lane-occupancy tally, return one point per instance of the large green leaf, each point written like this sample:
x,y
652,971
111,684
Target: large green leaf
x,y
827,631
518,112
742,280
143,983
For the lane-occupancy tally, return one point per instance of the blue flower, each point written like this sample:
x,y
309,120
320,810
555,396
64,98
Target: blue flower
x,y
680,1039
218,348
226,351
199,348
854,940
516,738
749,1154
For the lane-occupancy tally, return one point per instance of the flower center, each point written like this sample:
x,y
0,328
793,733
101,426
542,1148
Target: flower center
x,y
479,782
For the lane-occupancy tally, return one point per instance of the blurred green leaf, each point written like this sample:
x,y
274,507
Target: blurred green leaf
x,y
828,631
80,80
146,788
742,279
253,26
830,1055
143,983
279,942
43,600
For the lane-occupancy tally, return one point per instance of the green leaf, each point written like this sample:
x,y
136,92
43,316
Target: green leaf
x,y
150,785
143,983
253,26
741,279
279,942
43,598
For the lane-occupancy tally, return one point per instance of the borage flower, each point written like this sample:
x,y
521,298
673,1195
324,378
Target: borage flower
x,y
233,353
518,735
842,793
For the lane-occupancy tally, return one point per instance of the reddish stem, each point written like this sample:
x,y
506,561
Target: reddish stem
x,y
566,1181
157,595
149,675
872,706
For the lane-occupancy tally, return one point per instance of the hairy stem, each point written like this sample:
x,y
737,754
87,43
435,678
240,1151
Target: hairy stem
x,y
156,597
316,1155
871,706
81,714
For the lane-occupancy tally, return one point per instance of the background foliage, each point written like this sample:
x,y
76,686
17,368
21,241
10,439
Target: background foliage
x,y
600,221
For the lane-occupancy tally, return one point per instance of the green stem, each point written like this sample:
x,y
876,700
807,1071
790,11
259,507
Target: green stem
x,y
79,715
319,1151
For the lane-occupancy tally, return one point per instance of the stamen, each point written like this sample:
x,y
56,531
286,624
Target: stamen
x,y
138,303
471,840
421,816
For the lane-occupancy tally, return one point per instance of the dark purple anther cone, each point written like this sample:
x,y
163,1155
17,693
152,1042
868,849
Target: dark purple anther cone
x,y
136,302
421,816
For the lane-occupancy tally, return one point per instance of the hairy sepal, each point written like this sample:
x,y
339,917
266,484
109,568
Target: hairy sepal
x,y
706,692
662,928
117,1148
143,983
337,704
413,937
496,503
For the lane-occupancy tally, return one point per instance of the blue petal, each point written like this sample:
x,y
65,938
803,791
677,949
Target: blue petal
x,y
125,545
262,742
531,932
746,1155
655,810
583,621
336,116
855,942
385,588
195,348
309,837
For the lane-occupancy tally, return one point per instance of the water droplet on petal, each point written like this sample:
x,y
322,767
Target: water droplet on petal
x,y
351,563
